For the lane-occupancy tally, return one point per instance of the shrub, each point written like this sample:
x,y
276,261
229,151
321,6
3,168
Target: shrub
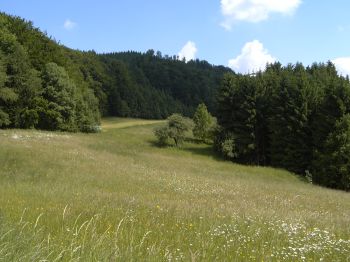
x,y
162,134
176,129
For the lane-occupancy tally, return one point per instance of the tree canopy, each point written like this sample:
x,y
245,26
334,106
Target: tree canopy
x,y
291,117
128,84
204,123
176,128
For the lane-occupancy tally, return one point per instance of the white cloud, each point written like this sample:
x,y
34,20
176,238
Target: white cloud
x,y
253,57
69,25
343,65
188,51
254,10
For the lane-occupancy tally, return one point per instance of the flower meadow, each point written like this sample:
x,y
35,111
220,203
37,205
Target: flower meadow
x,y
115,196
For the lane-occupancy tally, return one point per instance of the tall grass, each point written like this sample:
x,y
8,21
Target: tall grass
x,y
115,196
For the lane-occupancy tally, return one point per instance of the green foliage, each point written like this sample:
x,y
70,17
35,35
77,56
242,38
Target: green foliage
x,y
161,84
29,118
41,84
290,145
204,123
7,95
237,114
283,116
176,128
228,148
4,119
61,92
129,84
162,134
332,167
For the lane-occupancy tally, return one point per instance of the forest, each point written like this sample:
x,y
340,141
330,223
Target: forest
x,y
48,86
292,117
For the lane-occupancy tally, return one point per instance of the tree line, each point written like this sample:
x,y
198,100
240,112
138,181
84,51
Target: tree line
x,y
46,85
293,117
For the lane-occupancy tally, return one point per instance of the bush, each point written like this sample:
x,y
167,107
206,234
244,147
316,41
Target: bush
x,y
225,145
228,148
90,128
162,134
178,125
29,118
176,129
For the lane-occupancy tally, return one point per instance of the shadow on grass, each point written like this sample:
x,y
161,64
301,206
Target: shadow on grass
x,y
155,143
197,147
193,140
207,151
193,146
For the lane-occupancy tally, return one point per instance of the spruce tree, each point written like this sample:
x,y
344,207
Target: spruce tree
x,y
289,124
332,166
237,115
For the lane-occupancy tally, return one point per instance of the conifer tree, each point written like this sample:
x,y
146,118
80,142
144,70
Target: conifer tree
x,y
332,166
237,115
289,122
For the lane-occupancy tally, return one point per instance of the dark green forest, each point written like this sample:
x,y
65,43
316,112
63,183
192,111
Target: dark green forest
x,y
46,85
292,117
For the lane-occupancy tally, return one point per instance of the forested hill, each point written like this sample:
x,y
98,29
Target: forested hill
x,y
189,83
48,86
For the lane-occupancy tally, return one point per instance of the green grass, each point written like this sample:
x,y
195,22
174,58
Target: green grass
x,y
116,196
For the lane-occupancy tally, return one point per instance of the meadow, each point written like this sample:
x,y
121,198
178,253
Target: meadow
x,y
116,196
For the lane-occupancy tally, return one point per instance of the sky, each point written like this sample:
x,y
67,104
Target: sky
x,y
241,34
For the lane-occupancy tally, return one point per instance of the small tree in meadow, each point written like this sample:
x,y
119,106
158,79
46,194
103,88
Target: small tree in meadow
x,y
204,123
162,134
176,129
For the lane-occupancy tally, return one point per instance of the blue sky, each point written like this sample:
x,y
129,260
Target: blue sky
x,y
242,34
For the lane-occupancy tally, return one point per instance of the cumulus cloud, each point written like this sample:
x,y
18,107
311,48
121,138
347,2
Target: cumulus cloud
x,y
188,51
343,65
254,10
253,57
69,25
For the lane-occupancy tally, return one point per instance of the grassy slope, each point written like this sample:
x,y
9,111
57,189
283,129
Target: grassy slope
x,y
115,195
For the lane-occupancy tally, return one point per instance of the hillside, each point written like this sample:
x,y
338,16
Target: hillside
x,y
115,195
46,85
